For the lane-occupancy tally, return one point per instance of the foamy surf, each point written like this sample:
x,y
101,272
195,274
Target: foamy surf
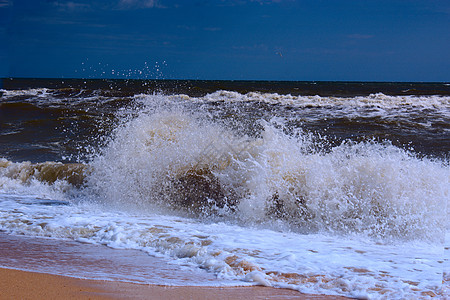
x,y
314,263
256,200
170,158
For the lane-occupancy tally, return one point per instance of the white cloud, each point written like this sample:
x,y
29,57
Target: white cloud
x,y
212,29
243,2
358,36
5,3
186,27
130,4
70,5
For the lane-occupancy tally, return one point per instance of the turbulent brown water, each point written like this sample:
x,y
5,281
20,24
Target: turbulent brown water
x,y
326,187
56,120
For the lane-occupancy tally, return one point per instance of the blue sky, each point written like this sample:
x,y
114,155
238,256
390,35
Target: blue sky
x,y
354,40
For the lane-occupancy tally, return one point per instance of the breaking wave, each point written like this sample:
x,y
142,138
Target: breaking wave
x,y
186,161
178,160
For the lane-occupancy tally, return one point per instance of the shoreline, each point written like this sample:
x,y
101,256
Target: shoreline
x,y
17,284
42,268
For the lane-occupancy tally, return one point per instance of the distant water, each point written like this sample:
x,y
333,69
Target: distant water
x,y
324,187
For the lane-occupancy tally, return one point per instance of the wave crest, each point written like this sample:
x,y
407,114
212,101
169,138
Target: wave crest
x,y
48,172
172,159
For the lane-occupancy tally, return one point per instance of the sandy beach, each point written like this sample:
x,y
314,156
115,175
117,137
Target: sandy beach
x,y
29,285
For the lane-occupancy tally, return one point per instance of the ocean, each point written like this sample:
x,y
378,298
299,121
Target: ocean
x,y
336,188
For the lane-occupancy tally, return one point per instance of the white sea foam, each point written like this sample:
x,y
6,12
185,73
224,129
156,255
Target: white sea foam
x,y
39,92
378,99
370,188
313,263
423,111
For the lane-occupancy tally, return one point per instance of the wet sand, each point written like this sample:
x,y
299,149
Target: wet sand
x,y
16,284
104,267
